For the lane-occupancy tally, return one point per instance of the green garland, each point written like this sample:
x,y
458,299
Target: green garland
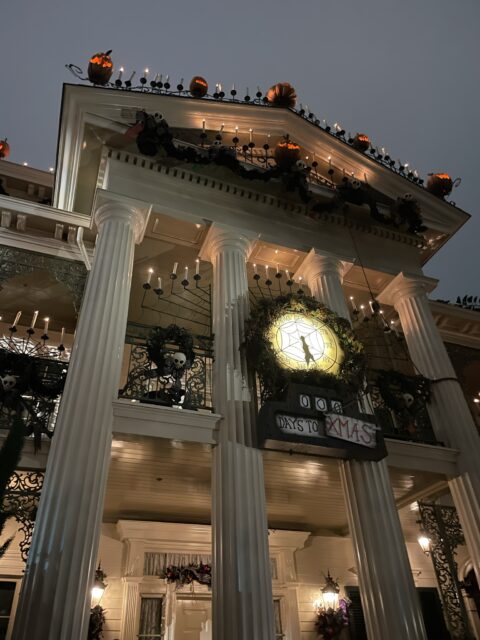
x,y
261,355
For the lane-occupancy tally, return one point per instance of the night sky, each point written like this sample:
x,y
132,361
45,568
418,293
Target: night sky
x,y
406,73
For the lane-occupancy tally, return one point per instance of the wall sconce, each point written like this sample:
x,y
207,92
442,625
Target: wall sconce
x,y
425,542
99,586
329,598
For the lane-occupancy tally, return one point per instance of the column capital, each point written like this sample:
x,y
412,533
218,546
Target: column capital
x,y
112,205
406,285
221,238
317,263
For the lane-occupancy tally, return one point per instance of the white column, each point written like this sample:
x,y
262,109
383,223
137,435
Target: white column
x,y
131,602
242,587
324,276
451,418
55,597
389,600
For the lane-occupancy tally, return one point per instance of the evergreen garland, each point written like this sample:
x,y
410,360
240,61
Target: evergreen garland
x,y
261,355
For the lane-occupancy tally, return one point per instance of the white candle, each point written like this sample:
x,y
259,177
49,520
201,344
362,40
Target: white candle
x,y
266,271
288,274
167,77
277,269
63,335
219,87
197,266
354,306
120,73
145,73
159,280
330,161
34,320
175,267
186,273
254,268
157,77
203,126
17,318
222,127
45,327
362,309
149,277
251,132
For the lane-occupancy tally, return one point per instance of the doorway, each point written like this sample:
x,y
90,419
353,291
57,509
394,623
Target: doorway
x,y
193,619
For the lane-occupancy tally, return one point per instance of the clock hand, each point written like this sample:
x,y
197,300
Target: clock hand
x,y
306,350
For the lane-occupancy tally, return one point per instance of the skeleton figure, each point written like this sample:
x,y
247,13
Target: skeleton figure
x,y
179,360
8,382
408,399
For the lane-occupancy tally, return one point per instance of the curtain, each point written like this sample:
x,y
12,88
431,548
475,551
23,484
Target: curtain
x,y
155,563
151,618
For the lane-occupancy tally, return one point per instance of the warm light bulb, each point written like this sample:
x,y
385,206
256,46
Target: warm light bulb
x,y
424,542
97,593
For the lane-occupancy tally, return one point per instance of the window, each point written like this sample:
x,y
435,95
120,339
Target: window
x,y
277,612
151,619
7,592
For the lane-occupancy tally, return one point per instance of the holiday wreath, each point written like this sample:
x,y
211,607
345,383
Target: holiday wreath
x,y
261,355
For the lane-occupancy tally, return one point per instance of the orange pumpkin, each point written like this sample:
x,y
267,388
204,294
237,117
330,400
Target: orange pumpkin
x,y
440,184
282,94
100,68
286,153
4,149
198,87
361,142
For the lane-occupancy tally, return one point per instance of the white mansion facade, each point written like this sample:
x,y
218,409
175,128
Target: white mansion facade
x,y
140,484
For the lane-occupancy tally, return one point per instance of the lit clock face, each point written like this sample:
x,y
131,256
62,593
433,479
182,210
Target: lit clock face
x,y
303,343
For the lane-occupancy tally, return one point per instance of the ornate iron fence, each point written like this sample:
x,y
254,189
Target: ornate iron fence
x,y
400,407
191,389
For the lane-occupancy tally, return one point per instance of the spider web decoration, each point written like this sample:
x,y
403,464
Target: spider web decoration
x,y
299,340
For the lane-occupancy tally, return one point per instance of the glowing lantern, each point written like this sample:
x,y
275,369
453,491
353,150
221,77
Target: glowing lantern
x,y
441,184
361,142
330,593
198,87
4,149
99,586
425,542
286,153
100,68
282,94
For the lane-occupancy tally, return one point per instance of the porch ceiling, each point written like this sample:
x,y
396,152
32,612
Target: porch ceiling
x,y
164,480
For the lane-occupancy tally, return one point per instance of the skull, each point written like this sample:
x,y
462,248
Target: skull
x,y
300,164
356,184
408,399
408,197
8,382
179,360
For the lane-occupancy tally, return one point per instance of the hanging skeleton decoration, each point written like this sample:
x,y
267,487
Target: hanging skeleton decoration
x,y
8,381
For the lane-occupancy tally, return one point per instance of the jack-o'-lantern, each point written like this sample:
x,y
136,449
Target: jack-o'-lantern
x,y
4,149
198,87
361,142
441,184
286,153
282,94
100,68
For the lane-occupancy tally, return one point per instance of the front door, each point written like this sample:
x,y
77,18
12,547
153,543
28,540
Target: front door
x,y
193,619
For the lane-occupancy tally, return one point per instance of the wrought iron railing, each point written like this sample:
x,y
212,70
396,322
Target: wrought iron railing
x,y
401,412
31,386
191,389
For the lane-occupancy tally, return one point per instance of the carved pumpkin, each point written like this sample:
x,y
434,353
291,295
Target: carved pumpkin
x,y
198,87
100,68
361,142
286,153
441,184
4,149
282,94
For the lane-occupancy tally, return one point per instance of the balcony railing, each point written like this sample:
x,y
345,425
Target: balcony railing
x,y
189,388
400,407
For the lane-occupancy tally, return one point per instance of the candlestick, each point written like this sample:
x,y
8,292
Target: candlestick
x,y
17,318
159,280
131,77
145,73
354,306
266,271
330,161
288,274
362,312
34,320
277,269
251,133
197,266
120,73
45,327
175,267
203,126
149,277
63,335
254,268
186,273
157,78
